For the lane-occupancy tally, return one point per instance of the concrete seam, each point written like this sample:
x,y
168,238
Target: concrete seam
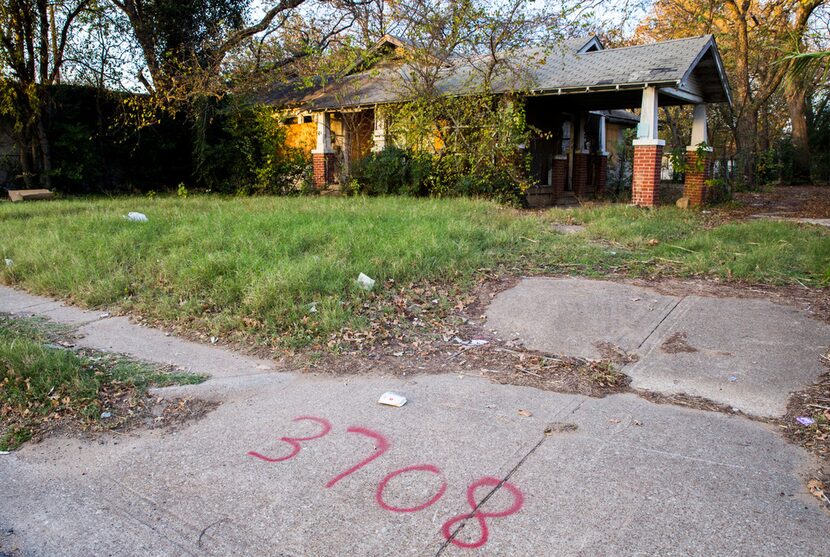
x,y
493,491
661,322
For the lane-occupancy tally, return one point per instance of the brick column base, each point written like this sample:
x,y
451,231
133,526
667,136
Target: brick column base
x,y
559,175
645,190
601,174
324,169
580,177
698,172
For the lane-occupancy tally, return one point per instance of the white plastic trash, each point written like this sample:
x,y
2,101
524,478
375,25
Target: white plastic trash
x,y
136,217
9,262
365,282
392,399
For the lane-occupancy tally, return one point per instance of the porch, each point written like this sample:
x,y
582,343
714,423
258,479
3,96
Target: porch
x,y
570,152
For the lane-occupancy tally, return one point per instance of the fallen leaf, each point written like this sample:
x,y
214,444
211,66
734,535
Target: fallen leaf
x,y
816,487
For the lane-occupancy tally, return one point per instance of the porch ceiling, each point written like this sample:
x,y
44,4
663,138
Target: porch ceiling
x,y
625,99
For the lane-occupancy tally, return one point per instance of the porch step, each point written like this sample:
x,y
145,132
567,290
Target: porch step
x,y
567,199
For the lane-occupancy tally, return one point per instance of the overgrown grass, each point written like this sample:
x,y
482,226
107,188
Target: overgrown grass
x,y
41,384
283,269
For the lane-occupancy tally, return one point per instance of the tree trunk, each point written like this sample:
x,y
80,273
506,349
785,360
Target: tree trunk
x,y
23,147
746,134
797,107
45,154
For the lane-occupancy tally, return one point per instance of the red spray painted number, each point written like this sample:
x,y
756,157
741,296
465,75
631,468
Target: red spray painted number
x,y
382,447
295,441
481,516
420,467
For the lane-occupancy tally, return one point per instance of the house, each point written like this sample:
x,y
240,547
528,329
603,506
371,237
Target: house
x,y
576,94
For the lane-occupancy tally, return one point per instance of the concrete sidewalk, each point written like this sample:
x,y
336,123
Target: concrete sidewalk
x,y
582,476
746,353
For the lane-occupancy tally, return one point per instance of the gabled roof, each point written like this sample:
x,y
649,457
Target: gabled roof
x,y
687,70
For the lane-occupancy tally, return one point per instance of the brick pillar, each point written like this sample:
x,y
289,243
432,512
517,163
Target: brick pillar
x,y
602,174
698,171
324,169
580,177
645,190
559,174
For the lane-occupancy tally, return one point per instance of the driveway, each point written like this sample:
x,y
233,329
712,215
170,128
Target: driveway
x,y
746,353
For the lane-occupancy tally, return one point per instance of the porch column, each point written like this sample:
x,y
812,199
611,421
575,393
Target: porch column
x,y
698,160
580,163
648,154
379,136
558,175
602,159
323,157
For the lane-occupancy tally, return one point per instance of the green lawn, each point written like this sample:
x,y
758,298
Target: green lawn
x,y
284,269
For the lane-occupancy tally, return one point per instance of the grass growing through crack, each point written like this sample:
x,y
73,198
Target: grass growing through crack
x,y
41,384
282,270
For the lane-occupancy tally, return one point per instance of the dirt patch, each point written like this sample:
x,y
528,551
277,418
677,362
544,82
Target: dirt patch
x,y
696,402
807,423
560,427
613,353
677,344
175,414
784,201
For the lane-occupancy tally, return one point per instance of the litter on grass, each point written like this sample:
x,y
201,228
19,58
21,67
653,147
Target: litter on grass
x,y
392,399
9,262
365,282
804,420
136,217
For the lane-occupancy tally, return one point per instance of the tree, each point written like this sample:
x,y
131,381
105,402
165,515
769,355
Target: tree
x,y
33,39
752,35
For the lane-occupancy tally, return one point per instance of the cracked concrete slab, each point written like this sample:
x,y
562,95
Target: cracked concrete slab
x,y
682,481
747,353
119,335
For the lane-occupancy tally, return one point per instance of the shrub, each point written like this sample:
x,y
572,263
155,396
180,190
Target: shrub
x,y
396,171
392,171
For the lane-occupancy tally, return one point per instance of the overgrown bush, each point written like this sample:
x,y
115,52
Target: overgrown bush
x,y
240,148
105,142
392,171
396,171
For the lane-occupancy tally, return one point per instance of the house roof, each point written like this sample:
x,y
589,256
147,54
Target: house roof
x,y
686,70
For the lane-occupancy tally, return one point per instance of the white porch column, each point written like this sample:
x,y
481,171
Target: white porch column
x,y
323,120
698,161
648,154
700,127
647,130
379,136
602,147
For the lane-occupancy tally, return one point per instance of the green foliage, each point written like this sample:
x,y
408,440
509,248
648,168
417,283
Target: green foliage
x,y
452,147
241,149
116,143
392,171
